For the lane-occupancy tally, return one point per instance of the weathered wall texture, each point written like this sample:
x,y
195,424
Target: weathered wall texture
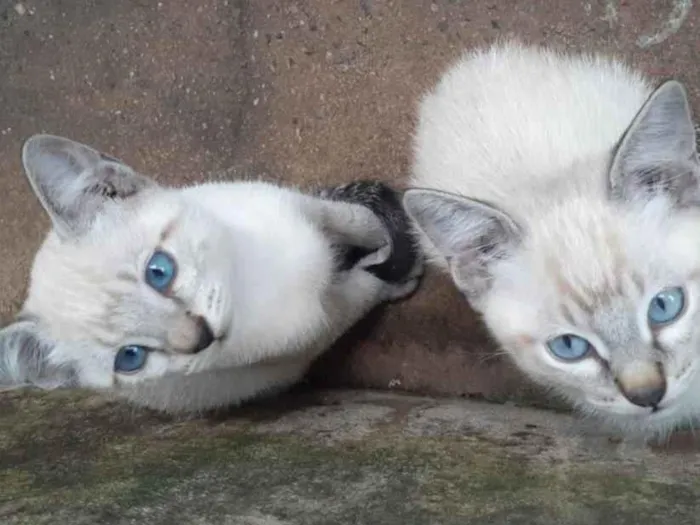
x,y
299,91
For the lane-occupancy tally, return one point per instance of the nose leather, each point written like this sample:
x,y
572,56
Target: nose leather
x,y
206,336
643,384
646,397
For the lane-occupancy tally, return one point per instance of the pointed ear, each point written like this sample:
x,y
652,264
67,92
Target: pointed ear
x,y
24,360
658,153
469,234
73,181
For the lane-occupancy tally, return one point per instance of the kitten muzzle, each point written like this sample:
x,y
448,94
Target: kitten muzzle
x,y
643,384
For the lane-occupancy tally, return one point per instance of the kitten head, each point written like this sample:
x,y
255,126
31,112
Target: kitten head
x,y
596,293
125,288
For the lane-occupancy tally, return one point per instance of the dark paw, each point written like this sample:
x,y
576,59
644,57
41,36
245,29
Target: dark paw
x,y
385,203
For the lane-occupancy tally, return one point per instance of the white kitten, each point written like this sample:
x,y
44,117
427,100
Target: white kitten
x,y
194,298
561,193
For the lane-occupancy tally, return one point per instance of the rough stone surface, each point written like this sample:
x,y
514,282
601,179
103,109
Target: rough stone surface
x,y
298,91
307,92
334,458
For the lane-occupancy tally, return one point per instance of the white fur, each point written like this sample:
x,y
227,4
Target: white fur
x,y
532,132
254,260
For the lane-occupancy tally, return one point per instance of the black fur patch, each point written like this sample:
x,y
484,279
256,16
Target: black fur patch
x,y
385,203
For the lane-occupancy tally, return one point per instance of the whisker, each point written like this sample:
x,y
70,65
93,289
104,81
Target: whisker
x,y
492,355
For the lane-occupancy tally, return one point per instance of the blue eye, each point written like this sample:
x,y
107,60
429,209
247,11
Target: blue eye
x,y
160,271
130,359
666,306
569,347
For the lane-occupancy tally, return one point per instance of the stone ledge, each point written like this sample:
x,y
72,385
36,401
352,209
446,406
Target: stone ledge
x,y
338,457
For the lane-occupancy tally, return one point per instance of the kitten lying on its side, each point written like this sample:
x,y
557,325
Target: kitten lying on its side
x,y
562,194
194,298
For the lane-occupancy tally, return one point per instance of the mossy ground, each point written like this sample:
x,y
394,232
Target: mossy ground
x,y
77,459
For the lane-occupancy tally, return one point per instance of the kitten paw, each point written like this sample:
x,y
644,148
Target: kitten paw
x,y
396,262
396,291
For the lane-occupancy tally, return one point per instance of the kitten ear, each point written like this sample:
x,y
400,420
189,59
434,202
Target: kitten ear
x,y
469,234
24,360
73,181
658,153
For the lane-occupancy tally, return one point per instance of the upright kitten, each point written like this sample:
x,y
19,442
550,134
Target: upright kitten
x,y
561,193
189,299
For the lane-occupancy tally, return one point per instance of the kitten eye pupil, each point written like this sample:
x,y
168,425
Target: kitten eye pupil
x,y
130,359
569,347
666,307
161,271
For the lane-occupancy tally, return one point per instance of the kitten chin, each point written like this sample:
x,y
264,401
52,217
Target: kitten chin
x,y
560,191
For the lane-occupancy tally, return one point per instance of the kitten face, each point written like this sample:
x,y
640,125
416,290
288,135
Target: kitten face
x,y
141,284
593,291
604,311
124,289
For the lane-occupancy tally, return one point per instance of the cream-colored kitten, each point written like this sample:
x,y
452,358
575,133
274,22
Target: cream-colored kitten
x,y
189,299
561,193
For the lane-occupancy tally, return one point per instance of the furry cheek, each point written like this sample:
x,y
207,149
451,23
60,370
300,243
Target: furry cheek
x,y
681,347
509,319
522,348
92,368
